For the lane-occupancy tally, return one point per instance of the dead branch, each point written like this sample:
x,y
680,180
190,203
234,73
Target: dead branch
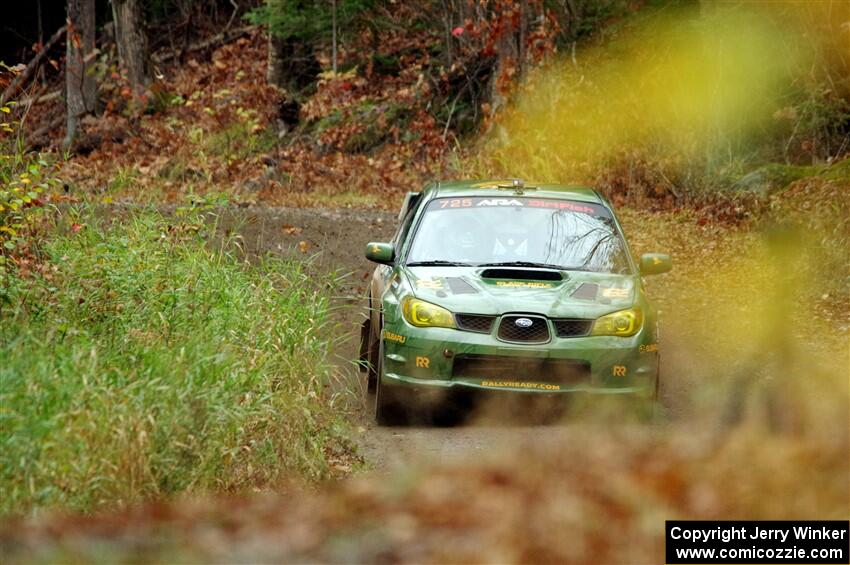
x,y
218,39
34,137
32,100
21,79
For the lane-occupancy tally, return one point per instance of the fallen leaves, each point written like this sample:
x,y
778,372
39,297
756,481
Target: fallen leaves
x,y
510,507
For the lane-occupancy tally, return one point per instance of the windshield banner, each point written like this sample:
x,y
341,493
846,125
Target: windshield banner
x,y
484,202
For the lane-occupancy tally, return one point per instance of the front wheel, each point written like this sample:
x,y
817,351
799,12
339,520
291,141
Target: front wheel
x,y
372,365
388,410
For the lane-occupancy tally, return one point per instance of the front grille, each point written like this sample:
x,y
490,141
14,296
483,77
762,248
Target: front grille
x,y
536,332
572,328
544,370
474,323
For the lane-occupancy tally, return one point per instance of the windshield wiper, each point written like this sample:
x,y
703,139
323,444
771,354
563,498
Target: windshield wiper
x,y
525,264
437,263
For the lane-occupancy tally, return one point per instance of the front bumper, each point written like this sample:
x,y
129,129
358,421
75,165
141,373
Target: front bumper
x,y
425,358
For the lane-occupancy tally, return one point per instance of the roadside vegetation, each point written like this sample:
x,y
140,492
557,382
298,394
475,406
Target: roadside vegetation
x,y
142,362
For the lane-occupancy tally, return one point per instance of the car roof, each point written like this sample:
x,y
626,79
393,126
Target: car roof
x,y
506,187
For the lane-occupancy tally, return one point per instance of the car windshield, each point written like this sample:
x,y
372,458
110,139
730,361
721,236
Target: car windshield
x,y
522,231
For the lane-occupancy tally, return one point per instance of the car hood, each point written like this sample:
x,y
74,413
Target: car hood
x,y
478,290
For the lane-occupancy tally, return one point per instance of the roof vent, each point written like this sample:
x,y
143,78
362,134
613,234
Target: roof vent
x,y
517,185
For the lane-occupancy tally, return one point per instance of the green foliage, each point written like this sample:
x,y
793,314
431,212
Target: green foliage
x,y
823,123
308,20
150,364
580,19
242,139
24,177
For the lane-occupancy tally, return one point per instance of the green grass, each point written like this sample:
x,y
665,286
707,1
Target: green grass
x,y
239,141
150,364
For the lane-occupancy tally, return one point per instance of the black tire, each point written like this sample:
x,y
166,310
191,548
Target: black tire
x,y
371,370
657,408
388,410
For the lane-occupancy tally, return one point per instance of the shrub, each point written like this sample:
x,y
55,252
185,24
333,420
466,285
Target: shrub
x,y
24,177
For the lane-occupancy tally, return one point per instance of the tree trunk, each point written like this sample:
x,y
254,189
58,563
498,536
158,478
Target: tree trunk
x,y
87,36
292,65
80,87
510,51
132,42
276,63
334,56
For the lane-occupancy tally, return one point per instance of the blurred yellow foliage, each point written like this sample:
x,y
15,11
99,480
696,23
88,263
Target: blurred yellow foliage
x,y
686,88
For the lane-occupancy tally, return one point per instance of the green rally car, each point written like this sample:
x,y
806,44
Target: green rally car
x,y
503,286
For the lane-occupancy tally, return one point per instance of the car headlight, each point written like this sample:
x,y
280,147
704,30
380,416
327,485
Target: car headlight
x,y
624,323
426,315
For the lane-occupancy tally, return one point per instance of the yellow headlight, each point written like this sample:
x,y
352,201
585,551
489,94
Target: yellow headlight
x,y
424,314
624,323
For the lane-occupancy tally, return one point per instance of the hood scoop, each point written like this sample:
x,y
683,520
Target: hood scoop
x,y
521,274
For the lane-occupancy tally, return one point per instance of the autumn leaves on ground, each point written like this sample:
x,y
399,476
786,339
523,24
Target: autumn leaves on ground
x,y
169,336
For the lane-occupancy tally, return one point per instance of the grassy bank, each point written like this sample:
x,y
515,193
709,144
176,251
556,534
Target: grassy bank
x,y
143,363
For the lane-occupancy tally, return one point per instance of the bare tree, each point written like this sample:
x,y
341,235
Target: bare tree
x,y
80,85
276,64
88,36
333,32
292,64
132,42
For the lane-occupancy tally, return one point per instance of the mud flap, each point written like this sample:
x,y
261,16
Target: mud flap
x,y
363,361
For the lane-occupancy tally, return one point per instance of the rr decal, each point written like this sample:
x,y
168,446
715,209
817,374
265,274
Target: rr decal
x,y
423,362
619,371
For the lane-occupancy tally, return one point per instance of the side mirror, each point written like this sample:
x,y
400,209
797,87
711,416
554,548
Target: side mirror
x,y
655,263
380,252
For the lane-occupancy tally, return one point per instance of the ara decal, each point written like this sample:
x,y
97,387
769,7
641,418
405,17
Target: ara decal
x,y
500,202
